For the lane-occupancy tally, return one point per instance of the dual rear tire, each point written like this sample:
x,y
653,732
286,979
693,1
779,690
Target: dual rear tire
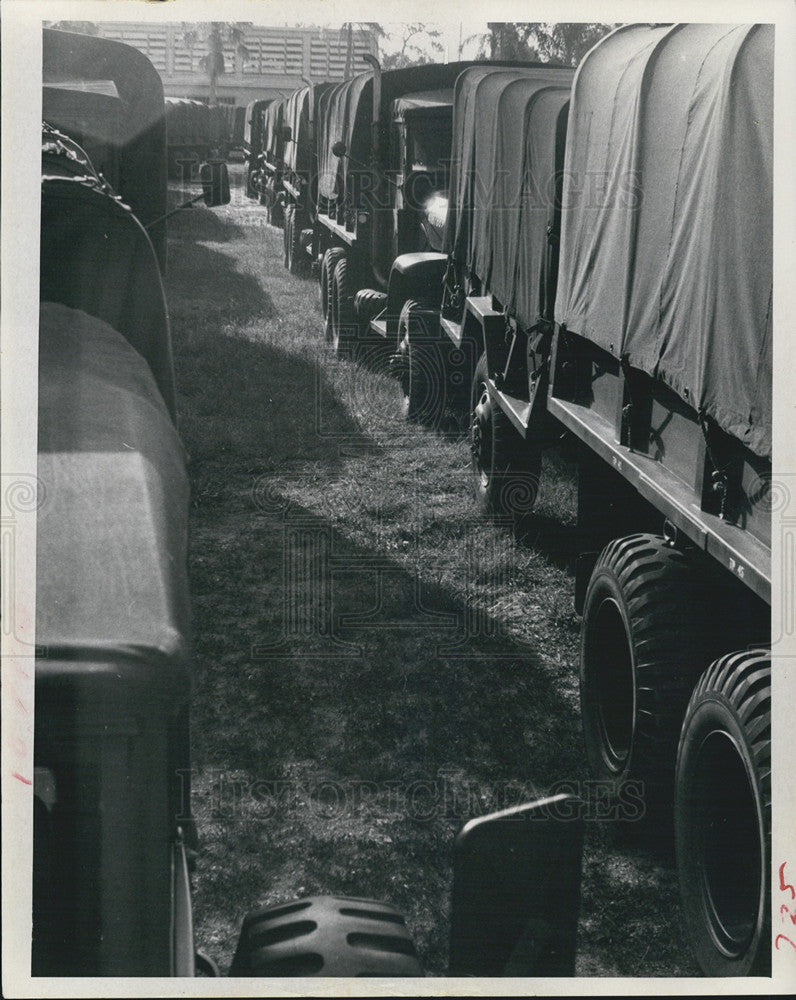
x,y
342,326
661,708
295,258
421,368
722,816
329,262
506,468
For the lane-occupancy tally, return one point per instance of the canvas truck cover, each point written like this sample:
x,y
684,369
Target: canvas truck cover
x,y
96,255
187,122
253,124
666,248
142,125
272,142
507,148
350,114
338,117
300,151
112,527
424,102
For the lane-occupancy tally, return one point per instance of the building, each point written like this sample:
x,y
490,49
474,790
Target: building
x,y
279,60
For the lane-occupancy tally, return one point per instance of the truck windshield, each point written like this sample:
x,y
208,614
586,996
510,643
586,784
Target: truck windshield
x,y
428,142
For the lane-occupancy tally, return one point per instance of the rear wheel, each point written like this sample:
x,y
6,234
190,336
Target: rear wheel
x,y
341,307
723,816
328,263
643,646
296,258
421,368
505,466
290,211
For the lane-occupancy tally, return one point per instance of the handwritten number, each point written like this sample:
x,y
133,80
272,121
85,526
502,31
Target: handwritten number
x,y
783,884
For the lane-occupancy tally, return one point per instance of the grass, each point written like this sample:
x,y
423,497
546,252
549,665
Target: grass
x,y
374,662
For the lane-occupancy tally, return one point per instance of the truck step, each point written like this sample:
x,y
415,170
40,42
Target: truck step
x,y
379,326
517,410
453,329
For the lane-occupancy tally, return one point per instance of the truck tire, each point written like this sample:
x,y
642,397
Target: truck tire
x,y
506,468
341,308
421,371
368,303
328,263
644,642
296,259
325,936
722,816
286,235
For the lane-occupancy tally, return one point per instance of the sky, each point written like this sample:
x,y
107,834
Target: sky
x,y
450,37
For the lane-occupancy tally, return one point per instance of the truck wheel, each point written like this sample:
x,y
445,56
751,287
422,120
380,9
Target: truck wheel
x,y
368,303
420,368
325,936
722,816
643,646
328,263
341,308
506,468
290,211
296,258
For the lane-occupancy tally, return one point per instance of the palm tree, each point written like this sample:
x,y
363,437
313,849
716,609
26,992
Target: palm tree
x,y
215,34
365,28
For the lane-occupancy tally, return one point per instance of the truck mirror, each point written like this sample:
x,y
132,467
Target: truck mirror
x,y
339,148
215,183
516,891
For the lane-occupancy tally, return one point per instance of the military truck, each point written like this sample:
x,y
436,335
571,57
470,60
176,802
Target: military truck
x,y
112,827
608,274
383,148
252,142
238,128
300,174
268,179
660,366
506,159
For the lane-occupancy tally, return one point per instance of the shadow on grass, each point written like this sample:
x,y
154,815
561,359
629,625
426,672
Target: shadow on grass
x,y
198,221
387,712
257,407
559,541
353,660
205,290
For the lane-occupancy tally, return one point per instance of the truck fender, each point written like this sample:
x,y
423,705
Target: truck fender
x,y
416,276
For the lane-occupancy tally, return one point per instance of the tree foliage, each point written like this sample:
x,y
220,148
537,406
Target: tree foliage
x,y
563,44
419,45
507,41
213,36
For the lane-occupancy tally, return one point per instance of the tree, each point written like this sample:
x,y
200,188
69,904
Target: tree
x,y
214,35
567,43
412,52
366,28
563,44
508,41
